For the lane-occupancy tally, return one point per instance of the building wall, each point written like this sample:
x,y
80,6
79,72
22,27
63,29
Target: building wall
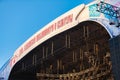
x,y
115,56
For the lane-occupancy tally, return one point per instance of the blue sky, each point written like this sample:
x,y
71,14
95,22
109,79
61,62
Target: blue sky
x,y
20,19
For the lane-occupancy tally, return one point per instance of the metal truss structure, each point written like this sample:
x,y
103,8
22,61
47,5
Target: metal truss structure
x,y
81,53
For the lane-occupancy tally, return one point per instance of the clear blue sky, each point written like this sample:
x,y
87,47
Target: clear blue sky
x,y
20,19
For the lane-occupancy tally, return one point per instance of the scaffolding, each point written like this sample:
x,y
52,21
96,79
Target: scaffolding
x,y
81,53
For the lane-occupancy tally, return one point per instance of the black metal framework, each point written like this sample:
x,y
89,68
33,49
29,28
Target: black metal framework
x,y
79,53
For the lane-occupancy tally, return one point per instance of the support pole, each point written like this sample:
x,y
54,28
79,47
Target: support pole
x,y
43,52
52,45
